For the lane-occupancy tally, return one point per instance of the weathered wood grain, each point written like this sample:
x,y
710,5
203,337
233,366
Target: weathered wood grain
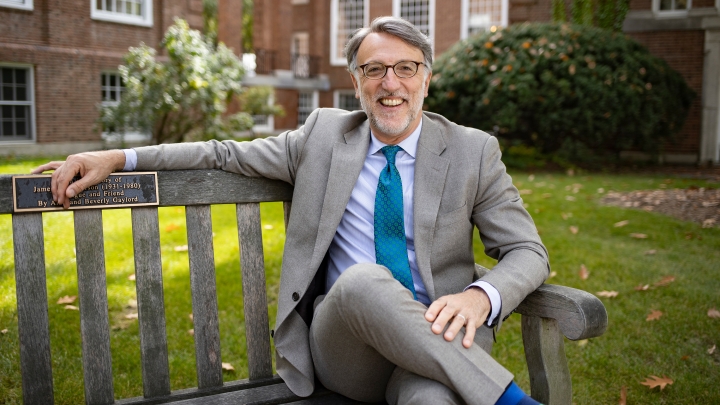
x,y
204,296
151,302
550,381
257,329
92,291
580,314
32,309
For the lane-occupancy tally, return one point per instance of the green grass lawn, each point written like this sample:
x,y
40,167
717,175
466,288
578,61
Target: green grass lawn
x,y
676,345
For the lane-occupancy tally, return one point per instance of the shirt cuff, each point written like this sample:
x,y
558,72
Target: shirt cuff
x,y
494,295
130,160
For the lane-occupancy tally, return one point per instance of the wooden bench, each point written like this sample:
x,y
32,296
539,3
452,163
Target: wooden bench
x,y
547,314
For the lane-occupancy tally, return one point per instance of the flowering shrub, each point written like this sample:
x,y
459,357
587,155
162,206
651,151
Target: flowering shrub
x,y
561,88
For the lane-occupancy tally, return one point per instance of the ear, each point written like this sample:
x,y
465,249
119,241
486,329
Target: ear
x,y
355,85
427,83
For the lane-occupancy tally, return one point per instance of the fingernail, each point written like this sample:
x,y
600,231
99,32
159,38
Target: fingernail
x,y
71,193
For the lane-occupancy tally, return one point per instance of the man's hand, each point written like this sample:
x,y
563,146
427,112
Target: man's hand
x,y
93,168
469,308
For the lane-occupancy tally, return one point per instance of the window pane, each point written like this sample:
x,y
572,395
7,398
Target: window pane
x,y
8,93
20,76
21,127
20,111
6,112
21,93
681,5
665,4
7,128
7,75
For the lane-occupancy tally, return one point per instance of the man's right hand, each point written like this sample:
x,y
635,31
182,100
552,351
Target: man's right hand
x,y
93,167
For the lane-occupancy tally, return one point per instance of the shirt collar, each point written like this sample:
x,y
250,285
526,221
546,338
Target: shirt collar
x,y
409,144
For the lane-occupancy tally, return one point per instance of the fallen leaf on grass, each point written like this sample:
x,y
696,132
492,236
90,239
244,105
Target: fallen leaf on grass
x,y
228,367
623,396
525,191
654,315
68,299
664,281
685,357
655,381
642,287
268,226
582,343
607,294
714,313
132,303
132,315
181,248
621,223
131,277
638,235
72,307
191,317
600,190
650,252
574,230
191,332
708,223
552,274
171,228
710,350
4,331
566,215
570,198
584,272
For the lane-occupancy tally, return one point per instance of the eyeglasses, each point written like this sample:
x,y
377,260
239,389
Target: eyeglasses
x,y
404,69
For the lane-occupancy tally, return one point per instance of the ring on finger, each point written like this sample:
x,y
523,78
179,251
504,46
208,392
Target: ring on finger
x,y
463,318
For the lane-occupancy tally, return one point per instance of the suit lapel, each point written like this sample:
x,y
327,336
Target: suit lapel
x,y
430,172
345,166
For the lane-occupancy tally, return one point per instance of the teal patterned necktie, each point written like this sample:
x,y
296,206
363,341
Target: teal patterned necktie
x,y
390,243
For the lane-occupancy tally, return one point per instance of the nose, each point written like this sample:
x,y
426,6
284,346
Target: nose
x,y
390,82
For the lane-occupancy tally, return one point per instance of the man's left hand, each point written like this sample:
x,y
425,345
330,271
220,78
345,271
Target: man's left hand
x,y
469,308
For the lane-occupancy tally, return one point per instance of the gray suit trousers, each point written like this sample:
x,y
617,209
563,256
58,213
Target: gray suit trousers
x,y
370,341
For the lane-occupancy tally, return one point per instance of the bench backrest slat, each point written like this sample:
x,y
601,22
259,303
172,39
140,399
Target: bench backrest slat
x,y
151,301
204,296
254,297
92,291
32,307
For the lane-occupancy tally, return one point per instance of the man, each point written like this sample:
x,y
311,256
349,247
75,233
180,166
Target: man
x,y
382,195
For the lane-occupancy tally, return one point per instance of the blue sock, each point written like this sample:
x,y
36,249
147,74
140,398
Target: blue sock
x,y
513,395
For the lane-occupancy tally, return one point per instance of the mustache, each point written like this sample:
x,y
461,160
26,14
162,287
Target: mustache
x,y
383,94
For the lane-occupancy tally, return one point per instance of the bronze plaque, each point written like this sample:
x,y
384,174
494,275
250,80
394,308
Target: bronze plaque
x,y
119,190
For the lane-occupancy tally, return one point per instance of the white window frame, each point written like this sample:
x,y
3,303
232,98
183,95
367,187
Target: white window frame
x,y
465,17
340,60
669,13
19,4
129,136
315,97
144,21
431,17
300,2
338,93
30,102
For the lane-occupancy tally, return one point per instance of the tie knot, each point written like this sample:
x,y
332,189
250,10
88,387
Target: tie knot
x,y
390,151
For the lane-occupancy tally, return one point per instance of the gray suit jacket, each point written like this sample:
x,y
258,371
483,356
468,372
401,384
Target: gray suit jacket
x,y
460,183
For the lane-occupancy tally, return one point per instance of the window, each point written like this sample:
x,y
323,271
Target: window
x,y
346,16
137,12
307,103
265,123
482,15
300,49
111,88
21,4
345,99
419,12
16,103
671,8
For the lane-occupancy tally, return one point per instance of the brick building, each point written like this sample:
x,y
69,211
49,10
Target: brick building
x,y
58,62
299,51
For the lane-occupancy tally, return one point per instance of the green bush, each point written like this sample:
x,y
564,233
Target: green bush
x,y
563,89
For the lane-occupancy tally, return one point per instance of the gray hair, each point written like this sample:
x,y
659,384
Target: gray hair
x,y
396,27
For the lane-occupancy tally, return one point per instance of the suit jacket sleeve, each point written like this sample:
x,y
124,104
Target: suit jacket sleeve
x,y
274,157
508,233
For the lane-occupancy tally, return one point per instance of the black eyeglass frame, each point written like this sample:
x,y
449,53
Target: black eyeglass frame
x,y
417,68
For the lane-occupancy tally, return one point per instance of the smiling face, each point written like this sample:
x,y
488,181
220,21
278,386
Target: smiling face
x,y
393,105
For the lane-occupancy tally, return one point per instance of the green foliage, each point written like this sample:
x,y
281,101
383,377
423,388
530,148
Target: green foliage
x,y
561,88
607,14
247,26
210,21
254,101
182,97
